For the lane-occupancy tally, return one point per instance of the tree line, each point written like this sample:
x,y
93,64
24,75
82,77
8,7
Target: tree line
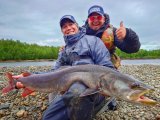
x,y
16,50
141,54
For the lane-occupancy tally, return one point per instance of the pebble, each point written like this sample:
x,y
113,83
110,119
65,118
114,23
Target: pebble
x,y
43,108
4,106
25,114
2,113
158,117
20,113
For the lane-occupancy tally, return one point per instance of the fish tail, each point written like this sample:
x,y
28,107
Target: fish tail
x,y
11,84
27,92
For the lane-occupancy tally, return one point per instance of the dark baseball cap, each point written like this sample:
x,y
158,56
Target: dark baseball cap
x,y
65,18
95,9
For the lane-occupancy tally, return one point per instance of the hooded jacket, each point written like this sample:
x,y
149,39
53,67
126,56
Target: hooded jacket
x,y
83,49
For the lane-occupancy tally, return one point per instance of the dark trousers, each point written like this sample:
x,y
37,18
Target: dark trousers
x,y
72,107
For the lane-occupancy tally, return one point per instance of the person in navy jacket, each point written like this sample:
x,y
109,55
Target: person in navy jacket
x,y
98,24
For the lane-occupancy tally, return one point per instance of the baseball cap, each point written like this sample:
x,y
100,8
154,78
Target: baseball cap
x,y
67,17
95,9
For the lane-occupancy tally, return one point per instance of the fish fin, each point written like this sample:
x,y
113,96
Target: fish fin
x,y
26,92
11,84
25,74
89,91
17,76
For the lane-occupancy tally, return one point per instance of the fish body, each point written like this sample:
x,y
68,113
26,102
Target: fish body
x,y
98,79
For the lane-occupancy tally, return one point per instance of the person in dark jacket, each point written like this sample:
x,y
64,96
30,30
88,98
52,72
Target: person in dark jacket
x,y
98,24
79,49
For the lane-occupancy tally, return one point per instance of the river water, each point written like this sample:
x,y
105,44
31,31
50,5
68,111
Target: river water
x,y
51,63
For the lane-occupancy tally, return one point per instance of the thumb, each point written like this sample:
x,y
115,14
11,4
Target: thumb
x,y
121,24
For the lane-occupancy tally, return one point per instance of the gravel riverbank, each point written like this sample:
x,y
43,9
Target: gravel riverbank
x,y
14,107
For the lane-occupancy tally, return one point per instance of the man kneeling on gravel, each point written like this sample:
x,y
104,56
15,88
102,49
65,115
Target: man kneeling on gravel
x,y
79,49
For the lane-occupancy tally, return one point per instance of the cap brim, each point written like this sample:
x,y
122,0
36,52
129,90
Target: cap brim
x,y
64,20
97,13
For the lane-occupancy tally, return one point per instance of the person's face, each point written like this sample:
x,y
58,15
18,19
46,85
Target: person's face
x,y
69,28
95,21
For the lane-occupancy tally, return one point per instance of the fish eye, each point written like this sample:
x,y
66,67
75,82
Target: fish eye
x,y
135,85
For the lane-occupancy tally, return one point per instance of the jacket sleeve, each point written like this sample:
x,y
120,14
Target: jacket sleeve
x,y
130,44
100,53
58,62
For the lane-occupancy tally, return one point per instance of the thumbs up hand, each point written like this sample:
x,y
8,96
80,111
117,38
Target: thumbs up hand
x,y
121,31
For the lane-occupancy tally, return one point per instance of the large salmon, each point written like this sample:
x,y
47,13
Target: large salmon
x,y
99,79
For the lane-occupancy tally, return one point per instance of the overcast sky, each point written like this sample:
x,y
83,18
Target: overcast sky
x,y
37,21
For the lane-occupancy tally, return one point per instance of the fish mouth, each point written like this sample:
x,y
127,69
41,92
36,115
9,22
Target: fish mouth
x,y
138,96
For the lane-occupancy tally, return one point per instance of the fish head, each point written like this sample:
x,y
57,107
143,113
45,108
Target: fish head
x,y
127,88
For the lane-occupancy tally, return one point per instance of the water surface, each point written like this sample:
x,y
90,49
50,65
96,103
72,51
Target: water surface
x,y
51,63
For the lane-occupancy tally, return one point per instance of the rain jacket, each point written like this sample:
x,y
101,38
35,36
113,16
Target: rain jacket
x,y
83,49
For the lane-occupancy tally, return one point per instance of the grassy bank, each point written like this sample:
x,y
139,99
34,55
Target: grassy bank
x,y
141,54
16,50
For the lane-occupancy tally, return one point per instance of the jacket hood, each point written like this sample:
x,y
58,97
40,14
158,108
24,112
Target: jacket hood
x,y
71,39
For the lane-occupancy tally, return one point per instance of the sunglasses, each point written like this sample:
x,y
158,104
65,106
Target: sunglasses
x,y
92,18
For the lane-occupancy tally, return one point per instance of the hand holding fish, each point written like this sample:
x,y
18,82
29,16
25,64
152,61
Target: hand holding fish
x,y
17,85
